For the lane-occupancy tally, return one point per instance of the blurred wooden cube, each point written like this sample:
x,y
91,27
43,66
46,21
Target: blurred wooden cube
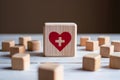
x,y
83,40
20,61
92,45
7,44
103,40
53,71
106,50
34,45
91,62
116,45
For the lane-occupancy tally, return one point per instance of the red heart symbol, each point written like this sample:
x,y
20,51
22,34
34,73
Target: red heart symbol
x,y
59,40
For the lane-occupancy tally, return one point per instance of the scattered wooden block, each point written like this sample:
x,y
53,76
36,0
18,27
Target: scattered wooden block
x,y
60,39
103,40
92,45
106,50
20,61
116,45
17,49
91,62
83,40
7,44
114,61
24,40
34,45
53,71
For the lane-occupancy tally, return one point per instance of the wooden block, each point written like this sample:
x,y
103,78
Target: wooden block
x,y
103,40
114,61
83,40
20,61
116,45
92,45
34,45
24,40
53,71
17,49
60,39
7,44
91,62
106,50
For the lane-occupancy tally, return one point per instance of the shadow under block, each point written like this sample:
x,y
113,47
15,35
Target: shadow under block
x,y
116,45
103,40
17,49
24,40
60,39
50,71
106,50
91,62
20,61
7,44
34,45
92,45
83,40
115,61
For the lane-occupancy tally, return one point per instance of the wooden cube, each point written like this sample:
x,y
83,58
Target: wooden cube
x,y
116,45
114,61
34,45
92,45
103,40
83,40
20,61
7,44
53,71
106,50
17,49
60,39
91,62
24,40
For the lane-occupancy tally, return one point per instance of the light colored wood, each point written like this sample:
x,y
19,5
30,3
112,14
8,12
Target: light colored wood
x,y
24,40
7,44
17,49
103,40
83,40
60,28
91,62
50,71
106,50
20,61
116,44
34,45
92,45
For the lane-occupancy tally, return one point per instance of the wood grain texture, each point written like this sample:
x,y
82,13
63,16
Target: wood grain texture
x,y
103,40
116,44
34,45
83,40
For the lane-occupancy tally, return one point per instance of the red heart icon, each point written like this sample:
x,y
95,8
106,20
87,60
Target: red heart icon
x,y
59,40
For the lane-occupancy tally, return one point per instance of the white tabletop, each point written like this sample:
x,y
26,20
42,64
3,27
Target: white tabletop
x,y
72,65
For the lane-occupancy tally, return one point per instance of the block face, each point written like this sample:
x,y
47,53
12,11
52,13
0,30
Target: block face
x,y
103,40
20,61
7,44
91,62
116,45
60,39
34,45
83,40
53,71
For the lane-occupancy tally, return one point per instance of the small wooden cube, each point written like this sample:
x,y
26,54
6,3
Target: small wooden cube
x,y
114,61
92,45
7,44
83,40
106,50
91,62
17,49
24,40
60,39
20,61
116,45
103,40
34,45
53,71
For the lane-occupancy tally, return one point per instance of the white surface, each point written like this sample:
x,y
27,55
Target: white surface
x,y
72,65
